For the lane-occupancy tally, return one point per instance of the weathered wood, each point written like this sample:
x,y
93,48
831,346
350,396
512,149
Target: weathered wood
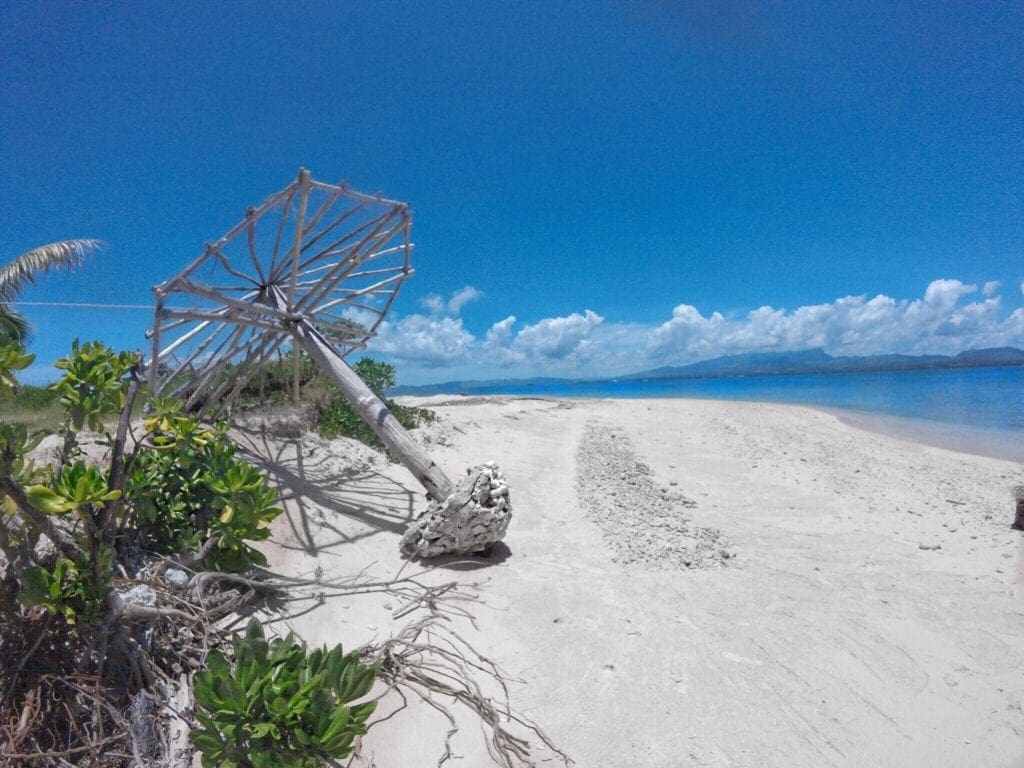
x,y
280,230
344,216
199,289
346,266
354,195
212,317
370,408
308,268
300,224
336,248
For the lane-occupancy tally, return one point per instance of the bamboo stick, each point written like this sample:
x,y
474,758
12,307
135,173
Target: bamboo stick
x,y
260,210
280,230
251,242
362,196
354,275
343,268
154,363
318,214
300,223
251,367
206,292
191,315
374,225
344,216
369,407
224,262
200,348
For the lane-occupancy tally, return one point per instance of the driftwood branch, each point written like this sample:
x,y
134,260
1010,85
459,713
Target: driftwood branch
x,y
64,542
117,459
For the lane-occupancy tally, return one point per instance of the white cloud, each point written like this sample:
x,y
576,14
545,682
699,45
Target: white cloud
x,y
553,340
462,297
436,305
433,303
941,322
945,293
424,339
437,338
558,338
946,319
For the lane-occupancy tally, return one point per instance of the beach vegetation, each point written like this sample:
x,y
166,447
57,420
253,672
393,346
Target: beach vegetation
x,y
331,411
22,271
119,578
190,491
337,418
72,531
279,705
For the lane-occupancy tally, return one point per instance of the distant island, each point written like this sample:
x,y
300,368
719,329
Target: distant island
x,y
757,364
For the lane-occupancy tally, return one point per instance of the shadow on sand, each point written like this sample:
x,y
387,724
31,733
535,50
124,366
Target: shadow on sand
x,y
312,482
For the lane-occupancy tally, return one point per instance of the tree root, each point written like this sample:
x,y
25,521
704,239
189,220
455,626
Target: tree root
x,y
66,702
430,659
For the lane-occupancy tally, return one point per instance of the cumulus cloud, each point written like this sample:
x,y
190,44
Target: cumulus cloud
x,y
436,305
436,338
551,340
558,338
424,339
940,322
462,297
949,317
433,303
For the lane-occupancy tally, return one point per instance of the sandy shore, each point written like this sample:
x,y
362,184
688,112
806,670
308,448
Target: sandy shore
x,y
697,583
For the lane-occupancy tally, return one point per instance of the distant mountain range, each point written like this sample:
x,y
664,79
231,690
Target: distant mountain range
x,y
760,364
819,361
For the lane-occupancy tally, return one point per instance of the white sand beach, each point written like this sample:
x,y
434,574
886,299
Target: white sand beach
x,y
851,599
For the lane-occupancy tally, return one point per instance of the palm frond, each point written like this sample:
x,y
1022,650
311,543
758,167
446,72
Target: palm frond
x,y
14,328
15,275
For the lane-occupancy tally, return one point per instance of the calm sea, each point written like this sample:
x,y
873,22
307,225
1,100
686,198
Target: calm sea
x,y
976,409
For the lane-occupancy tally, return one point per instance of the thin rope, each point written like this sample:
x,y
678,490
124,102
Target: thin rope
x,y
76,304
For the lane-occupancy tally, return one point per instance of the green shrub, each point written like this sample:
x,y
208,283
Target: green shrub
x,y
191,486
279,707
380,377
13,357
93,385
339,419
78,593
35,398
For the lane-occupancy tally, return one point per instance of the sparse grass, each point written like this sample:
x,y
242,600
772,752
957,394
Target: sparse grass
x,y
46,419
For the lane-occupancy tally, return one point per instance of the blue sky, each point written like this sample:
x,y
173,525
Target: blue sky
x,y
636,184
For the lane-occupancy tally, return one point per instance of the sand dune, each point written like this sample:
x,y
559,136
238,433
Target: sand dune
x,y
697,583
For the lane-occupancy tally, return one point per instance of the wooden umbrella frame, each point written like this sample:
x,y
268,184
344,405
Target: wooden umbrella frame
x,y
315,267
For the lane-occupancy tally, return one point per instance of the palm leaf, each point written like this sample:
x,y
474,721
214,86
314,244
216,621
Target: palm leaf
x,y
14,328
15,275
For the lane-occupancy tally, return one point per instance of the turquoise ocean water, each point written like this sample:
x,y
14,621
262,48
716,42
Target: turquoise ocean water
x,y
976,409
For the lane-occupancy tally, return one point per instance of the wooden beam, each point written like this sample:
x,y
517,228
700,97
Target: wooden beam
x,y
300,223
369,407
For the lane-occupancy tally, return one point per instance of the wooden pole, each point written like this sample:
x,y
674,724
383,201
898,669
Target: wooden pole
x,y
300,223
369,407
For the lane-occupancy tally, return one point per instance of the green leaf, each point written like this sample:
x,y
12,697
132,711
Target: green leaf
x,y
207,743
260,730
46,500
217,664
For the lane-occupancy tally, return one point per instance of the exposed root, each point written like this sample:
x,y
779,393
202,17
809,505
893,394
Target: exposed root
x,y
111,695
432,660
